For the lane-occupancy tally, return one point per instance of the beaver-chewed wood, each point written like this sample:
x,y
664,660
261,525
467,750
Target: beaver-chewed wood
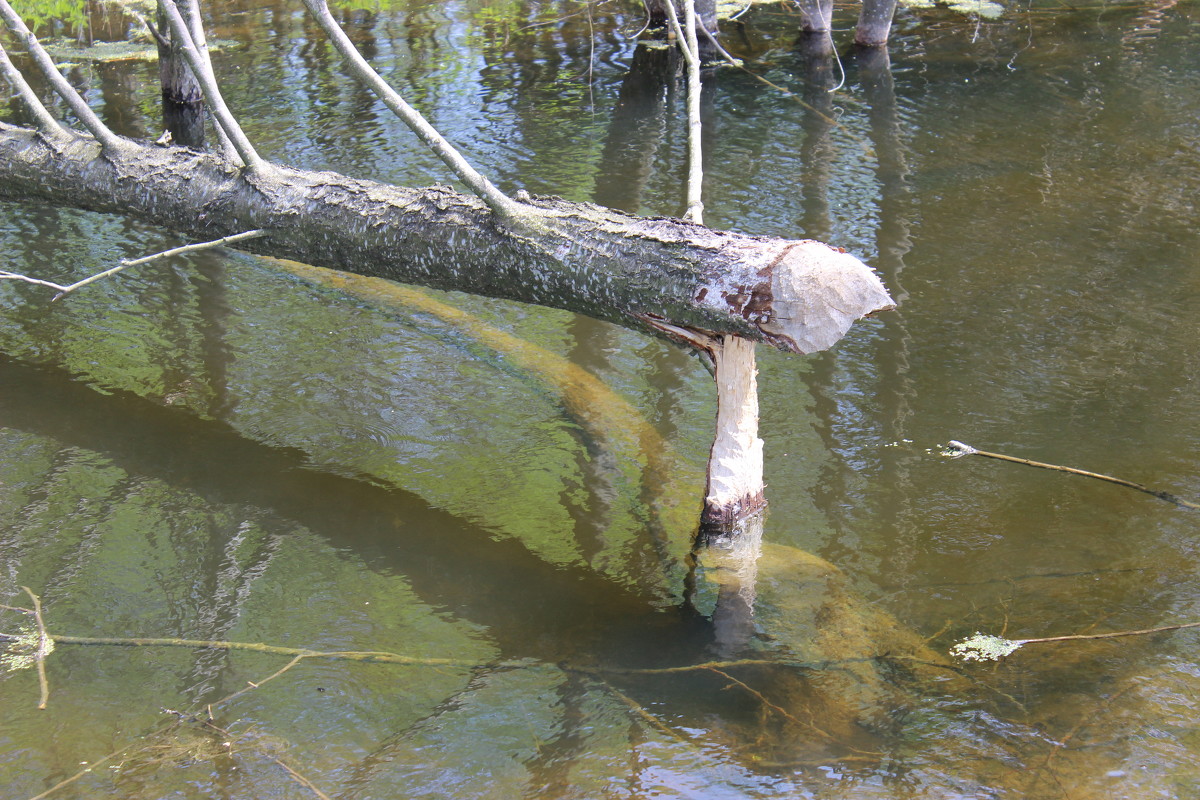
x,y
717,291
796,295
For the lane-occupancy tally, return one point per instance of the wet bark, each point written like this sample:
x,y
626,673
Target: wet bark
x,y
816,16
707,29
874,22
656,275
182,98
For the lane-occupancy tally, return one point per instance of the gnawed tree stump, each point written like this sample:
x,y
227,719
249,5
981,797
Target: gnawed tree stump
x,y
808,296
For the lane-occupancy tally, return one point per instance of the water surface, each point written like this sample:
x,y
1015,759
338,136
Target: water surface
x,y
219,448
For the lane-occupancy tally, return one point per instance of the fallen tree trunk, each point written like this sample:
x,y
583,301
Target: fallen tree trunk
x,y
717,292
800,296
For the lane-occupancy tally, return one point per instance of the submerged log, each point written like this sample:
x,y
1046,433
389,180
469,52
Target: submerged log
x,y
717,291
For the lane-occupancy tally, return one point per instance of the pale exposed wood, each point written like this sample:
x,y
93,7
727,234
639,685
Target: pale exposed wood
x,y
735,465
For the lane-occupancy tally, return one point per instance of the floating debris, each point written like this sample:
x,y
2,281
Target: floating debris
x,y
980,8
985,647
25,648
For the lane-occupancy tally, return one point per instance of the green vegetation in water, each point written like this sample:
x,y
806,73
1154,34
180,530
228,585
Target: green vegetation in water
x,y
68,51
25,648
37,13
980,8
366,5
728,9
73,14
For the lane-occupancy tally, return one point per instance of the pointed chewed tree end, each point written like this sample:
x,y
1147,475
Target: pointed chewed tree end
x,y
818,292
801,296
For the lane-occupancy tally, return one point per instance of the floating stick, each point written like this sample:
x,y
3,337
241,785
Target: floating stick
x,y
959,450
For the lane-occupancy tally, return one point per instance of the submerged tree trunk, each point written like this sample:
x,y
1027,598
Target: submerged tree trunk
x,y
657,275
182,98
816,16
874,22
707,28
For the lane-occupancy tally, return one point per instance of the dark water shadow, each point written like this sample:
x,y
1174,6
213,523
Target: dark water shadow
x,y
531,608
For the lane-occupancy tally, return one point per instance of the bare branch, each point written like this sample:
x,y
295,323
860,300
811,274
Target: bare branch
x,y
690,46
197,59
47,124
44,648
5,275
958,449
79,106
985,647
126,263
496,200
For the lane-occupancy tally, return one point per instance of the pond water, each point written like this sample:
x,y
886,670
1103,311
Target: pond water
x,y
222,447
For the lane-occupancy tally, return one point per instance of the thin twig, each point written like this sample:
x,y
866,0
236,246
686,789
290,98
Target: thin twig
x,y
739,64
141,742
688,43
1114,635
258,647
302,780
44,648
778,709
1084,720
967,450
296,775
127,262
986,647
654,722
174,251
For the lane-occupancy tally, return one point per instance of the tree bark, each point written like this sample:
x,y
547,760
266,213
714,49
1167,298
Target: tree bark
x,y
816,16
650,274
707,27
182,98
874,23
